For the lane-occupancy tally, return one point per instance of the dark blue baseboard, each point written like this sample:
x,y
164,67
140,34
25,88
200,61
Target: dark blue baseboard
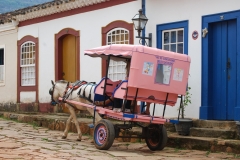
x,y
206,112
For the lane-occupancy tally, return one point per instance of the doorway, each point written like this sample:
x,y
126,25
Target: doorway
x,y
67,55
221,67
69,58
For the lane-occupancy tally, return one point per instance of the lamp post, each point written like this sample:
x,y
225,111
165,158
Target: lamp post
x,y
140,21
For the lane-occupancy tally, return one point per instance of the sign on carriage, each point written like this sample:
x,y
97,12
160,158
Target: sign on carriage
x,y
169,70
147,68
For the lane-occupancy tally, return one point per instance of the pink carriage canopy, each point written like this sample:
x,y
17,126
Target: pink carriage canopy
x,y
151,68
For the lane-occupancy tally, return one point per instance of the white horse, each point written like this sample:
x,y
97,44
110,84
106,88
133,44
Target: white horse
x,y
84,94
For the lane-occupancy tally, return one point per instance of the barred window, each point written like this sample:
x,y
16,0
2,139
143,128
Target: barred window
x,y
28,64
2,66
117,70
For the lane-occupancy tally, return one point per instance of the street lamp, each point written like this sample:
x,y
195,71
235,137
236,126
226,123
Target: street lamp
x,y
140,21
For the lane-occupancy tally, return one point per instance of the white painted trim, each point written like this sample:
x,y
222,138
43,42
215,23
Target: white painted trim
x,y
9,26
8,32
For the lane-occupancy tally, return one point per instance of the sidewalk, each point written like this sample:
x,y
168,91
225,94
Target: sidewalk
x,y
25,141
57,122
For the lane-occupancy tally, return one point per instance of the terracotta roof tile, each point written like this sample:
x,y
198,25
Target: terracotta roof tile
x,y
44,9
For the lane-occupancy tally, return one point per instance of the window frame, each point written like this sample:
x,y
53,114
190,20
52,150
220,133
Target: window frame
x,y
112,73
31,65
109,27
27,88
115,29
176,42
170,26
4,65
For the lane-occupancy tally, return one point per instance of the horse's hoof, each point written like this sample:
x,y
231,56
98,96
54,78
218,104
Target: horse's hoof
x,y
64,137
79,139
92,141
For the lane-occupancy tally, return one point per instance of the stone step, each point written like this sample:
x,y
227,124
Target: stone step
x,y
213,132
228,125
214,124
203,143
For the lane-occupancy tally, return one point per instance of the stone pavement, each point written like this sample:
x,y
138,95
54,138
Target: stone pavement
x,y
25,141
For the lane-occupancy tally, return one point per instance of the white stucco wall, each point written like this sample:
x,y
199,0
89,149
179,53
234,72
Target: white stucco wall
x,y
8,40
161,11
27,97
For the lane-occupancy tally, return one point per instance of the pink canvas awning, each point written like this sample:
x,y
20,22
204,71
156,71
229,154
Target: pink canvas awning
x,y
126,51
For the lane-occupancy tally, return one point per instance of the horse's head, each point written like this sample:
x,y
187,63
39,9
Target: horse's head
x,y
57,90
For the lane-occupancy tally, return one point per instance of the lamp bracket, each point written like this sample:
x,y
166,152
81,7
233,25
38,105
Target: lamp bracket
x,y
149,39
143,37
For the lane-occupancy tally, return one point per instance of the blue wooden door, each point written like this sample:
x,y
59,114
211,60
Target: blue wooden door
x,y
223,69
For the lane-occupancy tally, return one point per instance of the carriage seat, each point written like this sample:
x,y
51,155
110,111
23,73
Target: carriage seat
x,y
119,94
110,86
144,95
120,90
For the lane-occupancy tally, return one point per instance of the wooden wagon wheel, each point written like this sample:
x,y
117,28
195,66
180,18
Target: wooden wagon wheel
x,y
104,134
156,138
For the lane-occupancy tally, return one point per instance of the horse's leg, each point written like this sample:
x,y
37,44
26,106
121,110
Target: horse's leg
x,y
97,116
73,114
65,133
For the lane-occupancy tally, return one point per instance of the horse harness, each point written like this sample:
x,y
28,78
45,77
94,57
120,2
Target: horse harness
x,y
72,87
89,95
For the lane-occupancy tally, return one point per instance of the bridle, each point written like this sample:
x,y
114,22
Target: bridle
x,y
51,91
65,95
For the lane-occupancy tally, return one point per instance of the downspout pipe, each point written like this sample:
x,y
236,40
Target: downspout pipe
x,y
142,105
144,12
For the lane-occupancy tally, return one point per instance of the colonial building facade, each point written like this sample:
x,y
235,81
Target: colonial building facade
x,y
49,40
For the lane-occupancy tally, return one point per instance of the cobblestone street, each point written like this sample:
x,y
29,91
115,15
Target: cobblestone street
x,y
24,141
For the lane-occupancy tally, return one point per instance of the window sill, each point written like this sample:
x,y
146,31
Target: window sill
x,y
2,84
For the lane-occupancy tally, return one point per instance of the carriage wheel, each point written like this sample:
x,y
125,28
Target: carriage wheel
x,y
156,137
104,134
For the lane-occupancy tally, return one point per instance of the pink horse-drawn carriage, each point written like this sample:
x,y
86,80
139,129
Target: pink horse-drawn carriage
x,y
155,76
